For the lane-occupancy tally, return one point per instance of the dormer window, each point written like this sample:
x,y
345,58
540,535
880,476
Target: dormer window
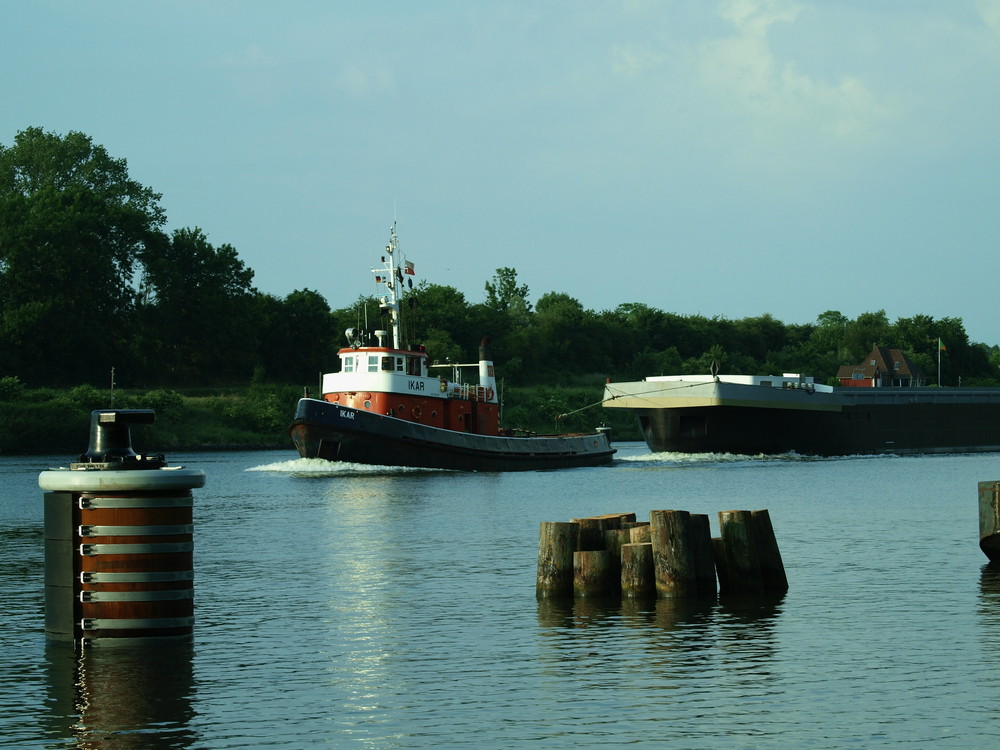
x,y
895,365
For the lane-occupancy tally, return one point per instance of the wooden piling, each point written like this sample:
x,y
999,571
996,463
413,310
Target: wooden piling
x,y
741,556
591,533
639,534
638,578
772,570
556,543
704,558
673,556
592,573
989,519
721,564
614,539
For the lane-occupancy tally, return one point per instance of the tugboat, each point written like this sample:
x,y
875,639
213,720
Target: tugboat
x,y
384,406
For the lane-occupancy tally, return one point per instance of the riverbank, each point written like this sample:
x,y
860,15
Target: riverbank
x,y
46,421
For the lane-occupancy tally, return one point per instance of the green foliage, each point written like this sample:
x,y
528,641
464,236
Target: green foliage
x,y
71,220
505,295
261,410
85,398
165,403
11,388
90,282
543,409
49,421
197,301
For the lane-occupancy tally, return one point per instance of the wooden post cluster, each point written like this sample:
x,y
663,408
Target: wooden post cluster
x,y
671,555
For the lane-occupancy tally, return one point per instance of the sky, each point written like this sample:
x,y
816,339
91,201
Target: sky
x,y
732,158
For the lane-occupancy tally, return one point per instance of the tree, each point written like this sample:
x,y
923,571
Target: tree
x,y
298,336
199,303
505,295
439,315
868,330
72,223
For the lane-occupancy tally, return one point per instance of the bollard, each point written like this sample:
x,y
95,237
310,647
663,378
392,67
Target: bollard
x,y
556,544
989,520
119,560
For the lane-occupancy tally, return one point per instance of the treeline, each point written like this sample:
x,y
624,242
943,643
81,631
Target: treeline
x,y
90,283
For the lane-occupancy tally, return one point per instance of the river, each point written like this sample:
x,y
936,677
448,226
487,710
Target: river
x,y
346,606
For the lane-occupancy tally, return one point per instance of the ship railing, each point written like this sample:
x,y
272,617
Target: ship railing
x,y
467,392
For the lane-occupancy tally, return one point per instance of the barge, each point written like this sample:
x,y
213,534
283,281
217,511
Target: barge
x,y
752,414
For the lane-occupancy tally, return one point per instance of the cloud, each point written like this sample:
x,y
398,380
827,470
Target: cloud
x,y
365,80
990,12
253,57
772,92
633,59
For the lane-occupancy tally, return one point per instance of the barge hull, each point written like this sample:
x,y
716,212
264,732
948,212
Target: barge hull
x,y
702,415
908,429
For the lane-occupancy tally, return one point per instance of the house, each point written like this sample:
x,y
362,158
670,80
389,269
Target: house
x,y
883,368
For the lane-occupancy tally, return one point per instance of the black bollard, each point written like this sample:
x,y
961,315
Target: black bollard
x,y
119,562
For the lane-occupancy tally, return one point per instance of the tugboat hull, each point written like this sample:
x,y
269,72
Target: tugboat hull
x,y
337,433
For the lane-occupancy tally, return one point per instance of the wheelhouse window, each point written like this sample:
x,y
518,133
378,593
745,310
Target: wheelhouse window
x,y
348,364
372,363
388,364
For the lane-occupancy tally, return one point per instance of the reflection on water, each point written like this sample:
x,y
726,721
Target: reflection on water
x,y
742,615
989,606
121,697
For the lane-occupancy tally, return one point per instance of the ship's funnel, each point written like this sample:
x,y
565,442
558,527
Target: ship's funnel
x,y
487,376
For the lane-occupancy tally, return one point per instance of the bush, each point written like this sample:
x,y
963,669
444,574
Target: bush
x,y
11,388
162,402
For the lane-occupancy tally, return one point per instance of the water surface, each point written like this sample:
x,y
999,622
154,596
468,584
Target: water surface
x,y
349,606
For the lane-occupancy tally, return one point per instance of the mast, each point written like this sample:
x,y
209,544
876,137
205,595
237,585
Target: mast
x,y
391,275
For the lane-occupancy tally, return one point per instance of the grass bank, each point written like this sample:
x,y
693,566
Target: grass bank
x,y
44,421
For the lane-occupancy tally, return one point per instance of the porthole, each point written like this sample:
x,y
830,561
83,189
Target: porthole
x,y
368,404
